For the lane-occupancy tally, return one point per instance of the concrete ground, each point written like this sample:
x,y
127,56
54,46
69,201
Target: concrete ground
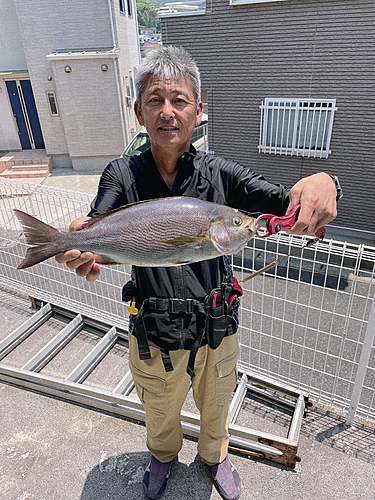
x,y
50,449
85,182
54,450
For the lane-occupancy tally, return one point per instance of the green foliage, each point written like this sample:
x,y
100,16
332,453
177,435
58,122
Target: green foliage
x,y
147,14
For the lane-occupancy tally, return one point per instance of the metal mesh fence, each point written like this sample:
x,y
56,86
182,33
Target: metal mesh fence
x,y
50,281
304,323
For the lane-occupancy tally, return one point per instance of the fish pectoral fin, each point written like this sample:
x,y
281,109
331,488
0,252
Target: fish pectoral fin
x,y
221,247
220,238
187,241
106,261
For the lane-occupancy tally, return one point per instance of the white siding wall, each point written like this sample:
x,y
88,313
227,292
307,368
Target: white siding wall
x,y
128,41
12,56
8,131
90,113
89,123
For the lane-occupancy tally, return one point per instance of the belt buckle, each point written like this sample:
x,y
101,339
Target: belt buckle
x,y
177,306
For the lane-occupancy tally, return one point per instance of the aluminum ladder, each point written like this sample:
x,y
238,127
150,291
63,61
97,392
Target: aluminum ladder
x,y
119,401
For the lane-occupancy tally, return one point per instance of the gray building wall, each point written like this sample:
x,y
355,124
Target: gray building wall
x,y
298,49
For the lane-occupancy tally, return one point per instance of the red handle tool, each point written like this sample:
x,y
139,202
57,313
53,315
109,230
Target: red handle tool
x,y
274,223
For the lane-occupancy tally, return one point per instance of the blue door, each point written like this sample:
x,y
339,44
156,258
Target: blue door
x,y
24,110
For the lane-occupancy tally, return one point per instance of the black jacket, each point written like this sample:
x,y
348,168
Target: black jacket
x,y
200,175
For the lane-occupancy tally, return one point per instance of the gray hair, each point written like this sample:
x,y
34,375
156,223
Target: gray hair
x,y
171,63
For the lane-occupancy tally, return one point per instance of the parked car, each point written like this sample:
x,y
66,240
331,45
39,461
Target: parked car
x,y
141,141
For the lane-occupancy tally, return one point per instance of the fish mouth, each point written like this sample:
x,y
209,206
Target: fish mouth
x,y
253,227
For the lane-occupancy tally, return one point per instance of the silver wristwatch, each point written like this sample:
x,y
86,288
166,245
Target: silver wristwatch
x,y
340,194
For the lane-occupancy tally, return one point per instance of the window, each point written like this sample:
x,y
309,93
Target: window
x,y
172,9
128,95
241,2
129,6
51,98
131,84
297,127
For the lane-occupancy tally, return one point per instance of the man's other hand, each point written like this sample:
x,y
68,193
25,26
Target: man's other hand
x,y
317,196
82,262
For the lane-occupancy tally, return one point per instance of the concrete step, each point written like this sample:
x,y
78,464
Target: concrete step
x,y
30,167
5,165
28,162
18,158
25,174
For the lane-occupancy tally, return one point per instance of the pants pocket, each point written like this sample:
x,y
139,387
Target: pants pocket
x,y
226,381
151,389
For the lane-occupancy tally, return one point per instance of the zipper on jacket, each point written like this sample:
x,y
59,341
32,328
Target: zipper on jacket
x,y
181,294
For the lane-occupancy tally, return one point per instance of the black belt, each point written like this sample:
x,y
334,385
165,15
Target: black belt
x,y
173,306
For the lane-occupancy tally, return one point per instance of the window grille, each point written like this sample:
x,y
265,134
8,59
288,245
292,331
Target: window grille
x,y
297,127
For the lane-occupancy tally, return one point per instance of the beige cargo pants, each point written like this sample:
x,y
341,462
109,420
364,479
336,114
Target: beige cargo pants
x,y
163,395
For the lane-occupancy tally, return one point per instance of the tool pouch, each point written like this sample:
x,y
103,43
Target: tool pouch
x,y
128,291
219,305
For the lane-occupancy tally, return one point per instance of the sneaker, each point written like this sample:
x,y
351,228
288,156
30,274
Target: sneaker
x,y
227,480
156,478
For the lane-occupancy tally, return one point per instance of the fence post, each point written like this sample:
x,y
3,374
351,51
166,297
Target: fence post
x,y
362,366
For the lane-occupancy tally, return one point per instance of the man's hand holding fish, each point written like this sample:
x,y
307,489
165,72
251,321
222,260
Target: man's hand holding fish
x,y
83,263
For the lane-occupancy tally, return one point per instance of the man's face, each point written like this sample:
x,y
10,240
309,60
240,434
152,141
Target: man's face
x,y
169,112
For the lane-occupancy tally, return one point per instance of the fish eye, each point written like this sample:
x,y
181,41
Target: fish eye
x,y
237,221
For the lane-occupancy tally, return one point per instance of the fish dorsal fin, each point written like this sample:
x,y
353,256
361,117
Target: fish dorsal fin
x,y
97,218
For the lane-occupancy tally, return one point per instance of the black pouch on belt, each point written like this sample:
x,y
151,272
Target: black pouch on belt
x,y
218,314
128,291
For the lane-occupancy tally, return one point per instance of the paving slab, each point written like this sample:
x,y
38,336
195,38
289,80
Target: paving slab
x,y
64,178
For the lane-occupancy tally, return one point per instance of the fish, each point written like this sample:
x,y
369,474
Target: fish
x,y
162,232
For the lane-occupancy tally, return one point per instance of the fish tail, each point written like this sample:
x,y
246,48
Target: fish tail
x,y
41,236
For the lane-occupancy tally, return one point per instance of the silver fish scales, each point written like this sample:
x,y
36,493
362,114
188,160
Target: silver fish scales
x,y
163,232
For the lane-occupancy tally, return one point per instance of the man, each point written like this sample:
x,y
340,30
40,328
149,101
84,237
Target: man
x,y
168,341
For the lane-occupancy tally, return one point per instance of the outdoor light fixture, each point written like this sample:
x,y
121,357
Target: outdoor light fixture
x,y
49,78
104,67
68,69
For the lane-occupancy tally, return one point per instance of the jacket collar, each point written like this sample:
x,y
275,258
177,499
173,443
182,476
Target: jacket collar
x,y
148,159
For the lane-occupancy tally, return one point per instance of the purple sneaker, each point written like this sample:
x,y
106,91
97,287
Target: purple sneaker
x,y
156,478
227,480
